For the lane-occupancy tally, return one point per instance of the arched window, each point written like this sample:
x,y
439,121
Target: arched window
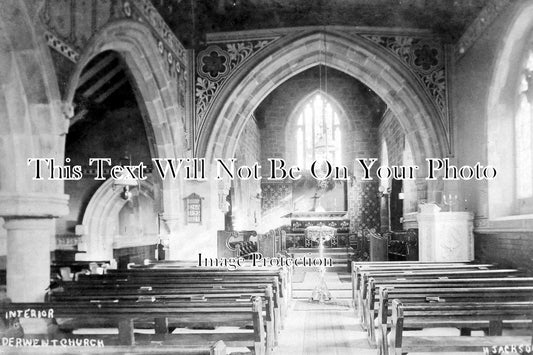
x,y
524,138
318,132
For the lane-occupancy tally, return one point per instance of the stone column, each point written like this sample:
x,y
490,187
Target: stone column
x,y
28,262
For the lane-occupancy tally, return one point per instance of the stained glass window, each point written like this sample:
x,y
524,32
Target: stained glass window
x,y
318,132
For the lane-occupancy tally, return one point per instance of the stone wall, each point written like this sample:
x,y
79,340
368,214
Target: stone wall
x,y
513,250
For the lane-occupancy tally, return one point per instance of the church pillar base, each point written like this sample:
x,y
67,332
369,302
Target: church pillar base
x,y
28,258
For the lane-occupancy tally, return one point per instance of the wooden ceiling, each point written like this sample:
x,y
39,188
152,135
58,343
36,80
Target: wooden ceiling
x,y
192,19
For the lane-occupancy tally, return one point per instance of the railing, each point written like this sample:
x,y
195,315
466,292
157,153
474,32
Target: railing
x,y
299,240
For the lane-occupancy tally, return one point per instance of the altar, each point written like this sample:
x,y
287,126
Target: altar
x,y
301,221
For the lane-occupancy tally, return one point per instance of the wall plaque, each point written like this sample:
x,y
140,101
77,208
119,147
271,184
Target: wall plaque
x,y
193,208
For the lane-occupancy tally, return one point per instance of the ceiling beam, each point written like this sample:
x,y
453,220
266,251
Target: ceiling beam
x,y
111,90
102,81
79,116
96,68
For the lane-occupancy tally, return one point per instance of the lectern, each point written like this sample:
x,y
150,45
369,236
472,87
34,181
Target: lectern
x,y
320,234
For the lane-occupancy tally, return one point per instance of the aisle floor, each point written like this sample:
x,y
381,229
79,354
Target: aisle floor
x,y
330,328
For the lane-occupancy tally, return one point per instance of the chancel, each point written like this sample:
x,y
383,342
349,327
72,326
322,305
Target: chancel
x,y
268,177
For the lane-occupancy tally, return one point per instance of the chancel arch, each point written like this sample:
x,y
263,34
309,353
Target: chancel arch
x,y
353,55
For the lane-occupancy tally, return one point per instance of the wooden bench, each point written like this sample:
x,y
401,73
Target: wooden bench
x,y
283,273
170,296
180,287
453,315
443,295
371,300
404,267
218,348
123,316
361,283
240,275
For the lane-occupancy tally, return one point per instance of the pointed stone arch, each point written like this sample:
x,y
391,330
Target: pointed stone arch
x,y
157,97
98,219
155,91
353,55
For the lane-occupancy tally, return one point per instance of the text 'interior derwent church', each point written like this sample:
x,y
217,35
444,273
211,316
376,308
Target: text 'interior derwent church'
x,y
266,176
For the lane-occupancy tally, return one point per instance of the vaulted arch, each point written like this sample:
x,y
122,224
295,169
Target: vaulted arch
x,y
353,55
156,95
101,218
155,91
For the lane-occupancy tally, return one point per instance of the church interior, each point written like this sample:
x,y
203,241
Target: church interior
x,y
352,176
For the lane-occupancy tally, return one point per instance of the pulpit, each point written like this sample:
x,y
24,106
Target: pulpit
x,y
320,234
445,236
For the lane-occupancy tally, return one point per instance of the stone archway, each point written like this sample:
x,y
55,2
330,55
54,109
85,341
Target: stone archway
x,y
156,96
355,56
101,218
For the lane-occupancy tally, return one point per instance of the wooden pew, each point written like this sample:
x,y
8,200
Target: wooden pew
x,y
374,307
169,296
448,295
372,295
240,275
218,348
453,315
359,288
359,266
181,287
391,267
124,315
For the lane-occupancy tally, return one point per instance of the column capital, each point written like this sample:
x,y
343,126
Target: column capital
x,y
21,223
33,205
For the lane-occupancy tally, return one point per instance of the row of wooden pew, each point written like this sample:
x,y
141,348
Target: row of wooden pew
x,y
168,296
392,298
